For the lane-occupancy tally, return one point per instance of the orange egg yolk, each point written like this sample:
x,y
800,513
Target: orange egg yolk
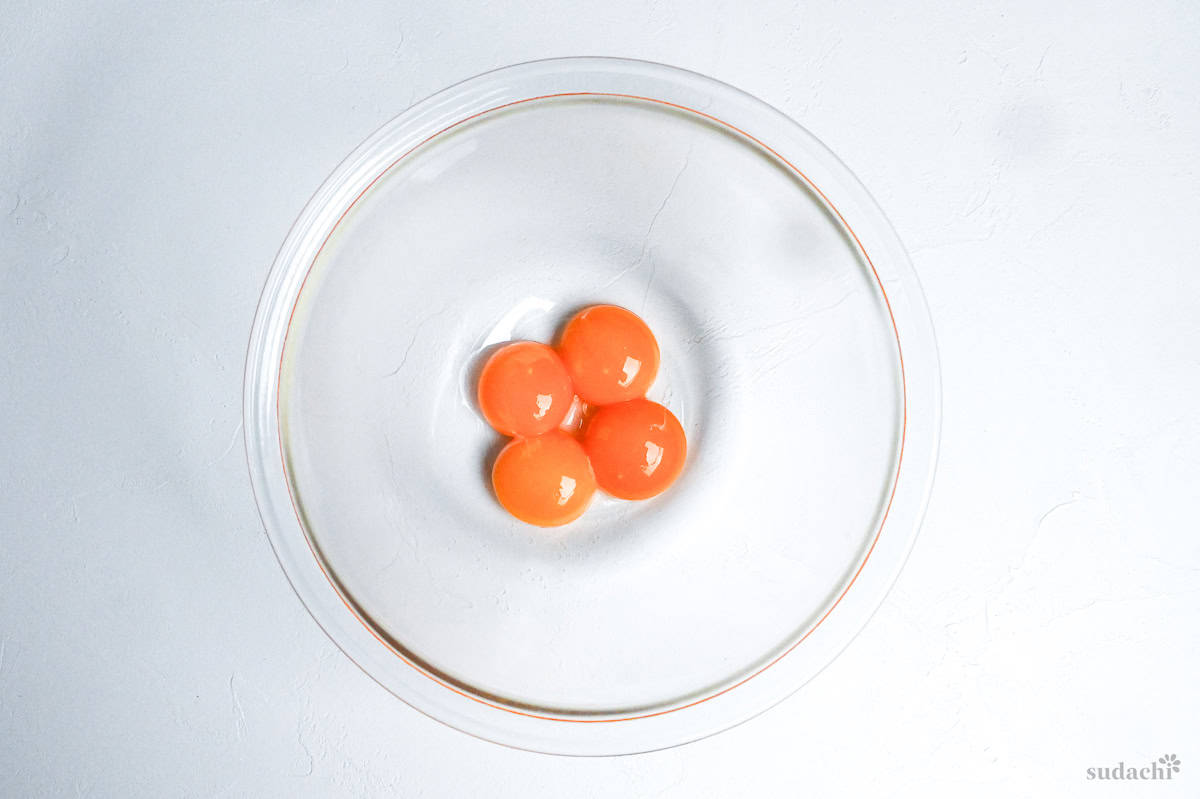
x,y
610,354
545,480
524,389
636,448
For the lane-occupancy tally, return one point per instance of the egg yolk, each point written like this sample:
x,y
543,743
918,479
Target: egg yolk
x,y
637,448
610,354
524,389
573,421
545,480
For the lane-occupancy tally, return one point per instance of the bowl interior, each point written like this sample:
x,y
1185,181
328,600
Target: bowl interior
x,y
778,356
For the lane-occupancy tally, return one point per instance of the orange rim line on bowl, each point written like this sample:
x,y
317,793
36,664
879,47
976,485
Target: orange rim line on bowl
x,y
899,457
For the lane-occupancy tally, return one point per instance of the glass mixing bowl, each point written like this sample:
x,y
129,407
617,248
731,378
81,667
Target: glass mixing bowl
x,y
796,351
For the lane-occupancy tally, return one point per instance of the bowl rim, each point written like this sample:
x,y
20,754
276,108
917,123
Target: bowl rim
x,y
471,100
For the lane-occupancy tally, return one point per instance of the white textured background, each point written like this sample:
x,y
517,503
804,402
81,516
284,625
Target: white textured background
x,y
1039,160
